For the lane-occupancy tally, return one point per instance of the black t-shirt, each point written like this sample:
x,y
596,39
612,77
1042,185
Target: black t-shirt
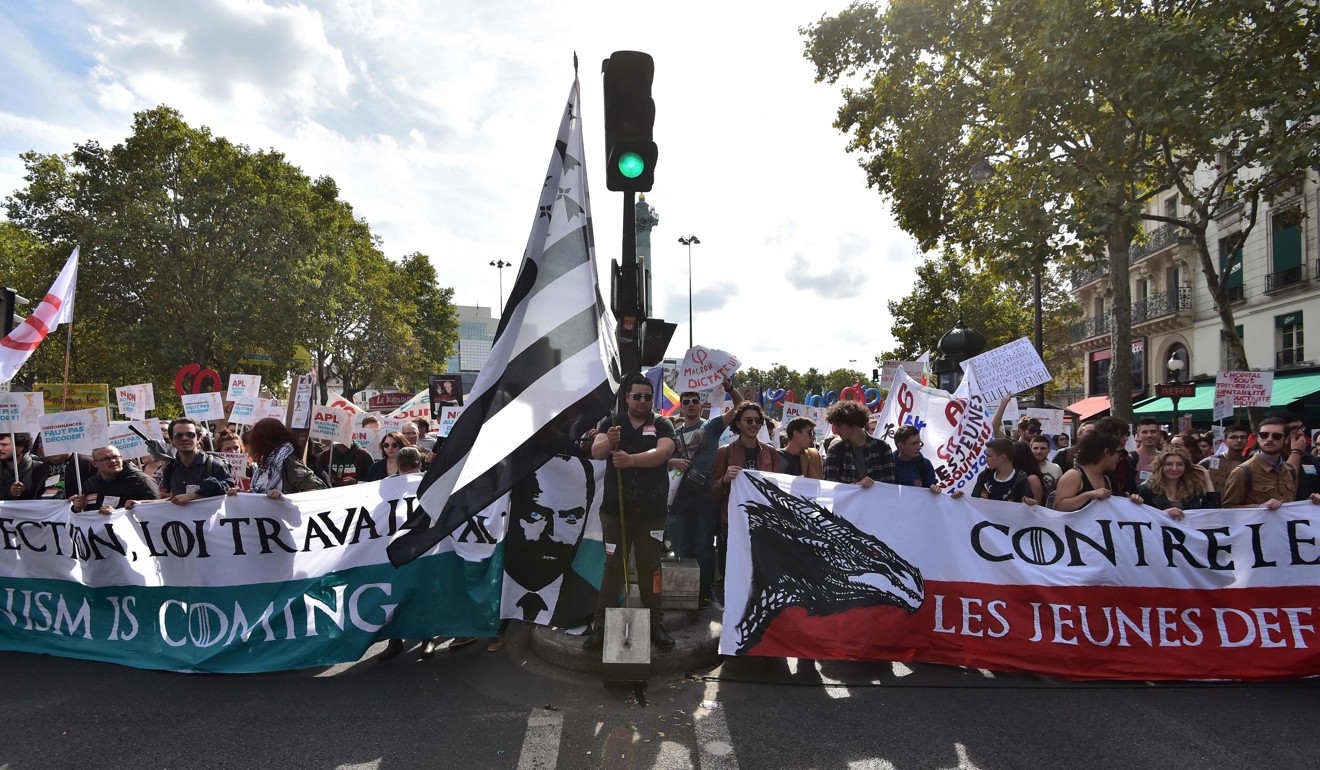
x,y
790,463
1012,490
750,457
645,490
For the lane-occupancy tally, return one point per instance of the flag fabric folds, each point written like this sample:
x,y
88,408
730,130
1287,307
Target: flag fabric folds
x,y
666,400
553,369
56,308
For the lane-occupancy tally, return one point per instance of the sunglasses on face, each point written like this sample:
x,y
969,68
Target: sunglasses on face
x,y
691,401
189,434
391,445
640,396
1270,435
753,421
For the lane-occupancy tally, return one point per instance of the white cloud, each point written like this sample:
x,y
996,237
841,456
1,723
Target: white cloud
x,y
437,122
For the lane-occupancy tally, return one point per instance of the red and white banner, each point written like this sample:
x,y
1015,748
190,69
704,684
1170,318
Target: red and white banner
x,y
56,308
1114,591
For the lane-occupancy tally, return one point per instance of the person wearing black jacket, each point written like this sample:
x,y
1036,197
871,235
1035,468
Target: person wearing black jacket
x,y
31,479
191,474
113,485
1177,485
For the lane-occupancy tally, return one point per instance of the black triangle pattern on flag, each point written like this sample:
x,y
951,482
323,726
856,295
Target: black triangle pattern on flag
x,y
553,369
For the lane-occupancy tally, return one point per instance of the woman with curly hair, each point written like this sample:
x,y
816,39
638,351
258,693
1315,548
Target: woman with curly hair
x,y
1177,484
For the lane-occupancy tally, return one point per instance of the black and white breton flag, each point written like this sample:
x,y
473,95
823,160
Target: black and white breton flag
x,y
552,371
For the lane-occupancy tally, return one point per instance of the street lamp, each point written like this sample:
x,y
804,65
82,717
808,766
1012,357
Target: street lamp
x,y
1175,365
689,241
500,265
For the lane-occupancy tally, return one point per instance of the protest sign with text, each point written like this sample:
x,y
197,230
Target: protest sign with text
x,y
245,410
81,395
134,401
1246,388
203,406
1007,369
705,369
954,428
21,412
1223,406
129,444
243,386
300,409
448,416
814,413
332,423
1051,420
417,406
77,431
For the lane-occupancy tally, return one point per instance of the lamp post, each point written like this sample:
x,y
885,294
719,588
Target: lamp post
x,y
500,265
1175,392
689,241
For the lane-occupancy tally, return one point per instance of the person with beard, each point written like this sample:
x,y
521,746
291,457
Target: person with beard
x,y
546,524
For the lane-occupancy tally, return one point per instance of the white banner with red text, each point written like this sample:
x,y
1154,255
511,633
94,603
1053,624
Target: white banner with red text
x,y
1114,591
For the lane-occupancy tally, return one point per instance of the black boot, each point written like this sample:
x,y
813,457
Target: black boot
x,y
595,640
660,637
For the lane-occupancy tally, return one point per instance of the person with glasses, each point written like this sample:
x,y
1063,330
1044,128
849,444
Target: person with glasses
x,y
1028,427
637,446
113,485
857,457
192,473
800,456
1233,455
1266,480
1123,476
388,465
693,516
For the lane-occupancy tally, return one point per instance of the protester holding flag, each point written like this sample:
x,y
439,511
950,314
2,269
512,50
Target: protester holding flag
x,y
30,482
113,484
637,446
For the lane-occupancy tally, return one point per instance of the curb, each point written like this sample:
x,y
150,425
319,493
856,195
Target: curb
x,y
696,644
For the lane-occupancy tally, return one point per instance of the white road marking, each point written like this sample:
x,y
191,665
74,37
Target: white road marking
x,y
714,746
987,673
540,750
836,691
901,670
872,764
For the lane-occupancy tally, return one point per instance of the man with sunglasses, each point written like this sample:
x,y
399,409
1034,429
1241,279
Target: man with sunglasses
x,y
113,484
1266,480
191,474
637,446
693,516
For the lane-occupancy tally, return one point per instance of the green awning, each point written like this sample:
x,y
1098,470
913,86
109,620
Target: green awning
x,y
1287,389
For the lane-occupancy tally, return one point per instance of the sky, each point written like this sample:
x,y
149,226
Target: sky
x,y
437,121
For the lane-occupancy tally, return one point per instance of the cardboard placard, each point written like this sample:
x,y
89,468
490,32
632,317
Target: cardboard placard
x,y
129,444
704,369
1246,388
302,402
1051,420
245,410
1223,406
134,401
79,431
243,386
1007,369
331,423
203,406
449,416
84,395
21,412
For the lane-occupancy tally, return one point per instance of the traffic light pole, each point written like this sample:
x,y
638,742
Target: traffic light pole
x,y
629,299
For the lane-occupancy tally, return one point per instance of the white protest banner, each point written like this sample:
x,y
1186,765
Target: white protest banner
x,y
417,406
448,416
954,429
21,412
1051,420
1223,406
301,400
331,423
243,386
1007,369
129,444
1246,388
203,406
134,401
245,410
704,369
342,403
78,431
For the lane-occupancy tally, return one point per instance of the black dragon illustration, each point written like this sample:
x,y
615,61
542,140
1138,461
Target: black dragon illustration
x,y
803,555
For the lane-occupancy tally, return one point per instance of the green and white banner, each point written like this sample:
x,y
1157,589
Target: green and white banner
x,y
243,583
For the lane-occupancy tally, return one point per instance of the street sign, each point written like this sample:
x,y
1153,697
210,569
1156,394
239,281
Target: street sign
x,y
1175,391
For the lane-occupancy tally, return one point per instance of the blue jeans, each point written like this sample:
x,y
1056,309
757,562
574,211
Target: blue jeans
x,y
693,519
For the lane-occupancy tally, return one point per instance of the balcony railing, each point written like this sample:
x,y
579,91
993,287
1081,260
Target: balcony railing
x,y
1091,327
1162,304
1083,276
1285,278
1288,357
1159,238
1236,293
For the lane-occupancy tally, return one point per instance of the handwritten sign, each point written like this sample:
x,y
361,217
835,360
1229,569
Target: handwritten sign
x,y
21,412
704,369
1051,420
955,427
332,423
203,406
449,416
134,401
1007,369
237,463
77,431
243,386
246,410
1246,388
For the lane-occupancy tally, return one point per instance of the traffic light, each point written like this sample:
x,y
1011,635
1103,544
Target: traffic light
x,y
630,152
656,334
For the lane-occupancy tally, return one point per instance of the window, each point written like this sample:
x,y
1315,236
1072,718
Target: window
x,y
1288,338
1171,207
1139,364
1230,267
1099,378
1231,362
1286,254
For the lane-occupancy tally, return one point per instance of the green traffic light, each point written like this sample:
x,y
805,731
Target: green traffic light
x,y
631,165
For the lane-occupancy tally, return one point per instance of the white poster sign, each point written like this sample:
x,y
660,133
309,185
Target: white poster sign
x,y
814,413
331,423
369,439
1007,369
243,386
1051,420
954,428
1246,388
21,412
203,406
129,444
134,401
78,431
246,410
448,416
302,401
1223,406
704,369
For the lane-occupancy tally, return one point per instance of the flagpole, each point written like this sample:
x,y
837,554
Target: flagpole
x,y
68,353
13,446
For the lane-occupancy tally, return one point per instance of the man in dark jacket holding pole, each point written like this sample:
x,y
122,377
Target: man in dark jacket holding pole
x,y
113,485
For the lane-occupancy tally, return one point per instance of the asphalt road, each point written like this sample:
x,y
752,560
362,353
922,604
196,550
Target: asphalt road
x,y
471,709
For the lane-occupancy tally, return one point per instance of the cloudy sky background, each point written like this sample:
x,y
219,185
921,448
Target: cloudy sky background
x,y
437,121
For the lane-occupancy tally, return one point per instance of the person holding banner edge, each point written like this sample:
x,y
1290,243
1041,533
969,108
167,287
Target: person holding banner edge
x,y
113,484
191,474
30,481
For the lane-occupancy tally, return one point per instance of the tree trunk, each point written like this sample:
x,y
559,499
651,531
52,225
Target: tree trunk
x,y
1118,242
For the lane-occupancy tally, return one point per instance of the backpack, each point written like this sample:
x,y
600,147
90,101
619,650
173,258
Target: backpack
x,y
297,477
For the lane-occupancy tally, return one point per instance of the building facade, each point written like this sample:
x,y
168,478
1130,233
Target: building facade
x,y
1273,284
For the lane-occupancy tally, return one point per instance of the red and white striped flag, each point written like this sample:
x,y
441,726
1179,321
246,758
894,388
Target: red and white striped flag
x,y
56,308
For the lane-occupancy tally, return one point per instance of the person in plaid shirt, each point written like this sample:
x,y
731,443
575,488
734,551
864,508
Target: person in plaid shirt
x,y
857,458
